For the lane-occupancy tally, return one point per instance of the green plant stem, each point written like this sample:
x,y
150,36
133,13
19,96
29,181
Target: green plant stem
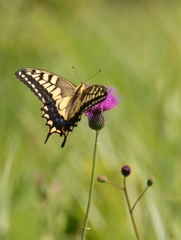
x,y
91,187
115,185
131,212
138,199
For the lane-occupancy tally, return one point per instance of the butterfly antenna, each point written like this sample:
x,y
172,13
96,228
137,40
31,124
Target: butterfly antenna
x,y
93,75
76,73
89,77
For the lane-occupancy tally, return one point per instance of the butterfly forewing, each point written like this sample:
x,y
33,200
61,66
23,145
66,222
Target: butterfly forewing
x,y
45,85
92,95
63,102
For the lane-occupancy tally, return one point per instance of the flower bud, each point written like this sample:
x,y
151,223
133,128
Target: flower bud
x,y
150,181
102,179
126,170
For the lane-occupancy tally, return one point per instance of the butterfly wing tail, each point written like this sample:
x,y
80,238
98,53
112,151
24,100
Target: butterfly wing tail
x,y
63,143
48,135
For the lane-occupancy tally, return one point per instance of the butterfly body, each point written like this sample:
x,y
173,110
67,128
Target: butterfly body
x,y
64,103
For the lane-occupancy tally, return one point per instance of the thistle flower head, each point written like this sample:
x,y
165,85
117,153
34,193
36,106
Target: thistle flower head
x,y
94,114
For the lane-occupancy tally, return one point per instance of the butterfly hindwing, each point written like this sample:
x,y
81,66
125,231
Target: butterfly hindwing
x,y
64,103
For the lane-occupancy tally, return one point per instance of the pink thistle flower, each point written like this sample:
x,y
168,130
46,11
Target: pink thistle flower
x,y
94,114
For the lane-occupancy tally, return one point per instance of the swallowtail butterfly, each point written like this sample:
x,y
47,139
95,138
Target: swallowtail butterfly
x,y
63,102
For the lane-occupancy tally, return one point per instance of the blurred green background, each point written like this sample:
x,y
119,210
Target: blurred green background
x,y
43,188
